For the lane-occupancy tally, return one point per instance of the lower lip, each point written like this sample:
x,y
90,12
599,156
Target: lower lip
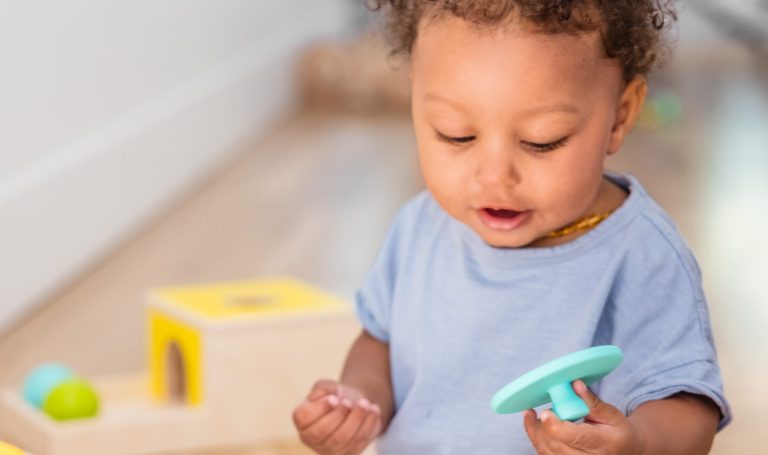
x,y
503,224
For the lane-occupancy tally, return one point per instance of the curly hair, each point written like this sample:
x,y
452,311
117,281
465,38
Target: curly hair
x,y
631,30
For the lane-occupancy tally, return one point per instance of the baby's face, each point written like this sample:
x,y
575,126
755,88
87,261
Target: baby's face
x,y
513,126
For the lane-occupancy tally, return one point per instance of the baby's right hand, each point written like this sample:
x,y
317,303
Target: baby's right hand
x,y
336,419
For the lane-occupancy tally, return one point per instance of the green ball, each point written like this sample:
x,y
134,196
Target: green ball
x,y
72,399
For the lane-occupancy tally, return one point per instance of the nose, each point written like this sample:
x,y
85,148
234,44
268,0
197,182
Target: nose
x,y
496,167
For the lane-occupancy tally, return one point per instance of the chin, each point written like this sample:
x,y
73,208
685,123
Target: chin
x,y
501,239
505,241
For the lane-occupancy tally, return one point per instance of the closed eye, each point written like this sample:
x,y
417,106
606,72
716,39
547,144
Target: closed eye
x,y
453,140
543,148
534,146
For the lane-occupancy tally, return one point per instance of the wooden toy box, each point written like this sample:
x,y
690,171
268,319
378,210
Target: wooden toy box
x,y
227,364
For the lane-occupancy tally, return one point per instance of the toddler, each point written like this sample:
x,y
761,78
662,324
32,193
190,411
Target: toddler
x,y
524,249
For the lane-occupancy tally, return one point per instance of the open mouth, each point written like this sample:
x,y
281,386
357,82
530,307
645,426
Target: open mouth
x,y
502,213
503,219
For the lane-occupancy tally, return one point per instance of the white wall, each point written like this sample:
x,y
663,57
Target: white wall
x,y
109,110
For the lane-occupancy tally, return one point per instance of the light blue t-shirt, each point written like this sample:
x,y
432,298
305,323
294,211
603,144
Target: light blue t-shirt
x,y
462,319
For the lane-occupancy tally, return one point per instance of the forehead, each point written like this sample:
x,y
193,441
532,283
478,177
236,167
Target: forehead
x,y
509,62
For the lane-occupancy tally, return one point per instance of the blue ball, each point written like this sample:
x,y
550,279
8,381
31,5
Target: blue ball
x,y
42,380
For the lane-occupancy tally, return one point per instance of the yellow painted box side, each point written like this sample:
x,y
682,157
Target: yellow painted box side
x,y
163,331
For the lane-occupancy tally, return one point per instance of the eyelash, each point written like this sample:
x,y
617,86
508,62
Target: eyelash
x,y
539,148
544,148
453,140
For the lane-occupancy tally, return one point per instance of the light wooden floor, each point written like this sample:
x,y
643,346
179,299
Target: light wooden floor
x,y
314,198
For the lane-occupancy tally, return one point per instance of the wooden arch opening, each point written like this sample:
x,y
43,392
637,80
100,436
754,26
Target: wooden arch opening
x,y
176,374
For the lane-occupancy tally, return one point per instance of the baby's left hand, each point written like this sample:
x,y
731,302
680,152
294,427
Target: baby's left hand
x,y
605,430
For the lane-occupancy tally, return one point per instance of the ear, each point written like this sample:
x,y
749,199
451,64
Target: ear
x,y
627,112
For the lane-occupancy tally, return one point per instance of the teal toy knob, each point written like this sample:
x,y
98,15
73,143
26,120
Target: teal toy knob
x,y
42,380
566,404
72,399
551,383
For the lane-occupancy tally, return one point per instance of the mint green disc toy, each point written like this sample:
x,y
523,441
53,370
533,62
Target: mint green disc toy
x,y
551,382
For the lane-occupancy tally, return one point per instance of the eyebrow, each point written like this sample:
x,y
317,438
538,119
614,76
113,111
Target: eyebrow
x,y
435,97
558,107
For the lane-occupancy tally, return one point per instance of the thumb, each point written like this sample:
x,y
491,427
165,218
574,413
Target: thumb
x,y
322,388
599,410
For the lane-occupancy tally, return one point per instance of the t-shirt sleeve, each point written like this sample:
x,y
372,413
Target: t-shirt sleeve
x,y
699,377
658,316
373,299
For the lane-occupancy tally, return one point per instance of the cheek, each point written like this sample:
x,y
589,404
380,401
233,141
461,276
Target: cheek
x,y
444,174
436,168
570,185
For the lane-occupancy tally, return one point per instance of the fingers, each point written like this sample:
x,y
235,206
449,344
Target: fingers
x,y
531,423
337,420
599,411
540,433
602,428
368,431
321,429
309,412
592,401
346,434
565,433
371,427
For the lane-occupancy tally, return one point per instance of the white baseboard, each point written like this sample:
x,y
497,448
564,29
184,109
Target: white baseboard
x,y
59,217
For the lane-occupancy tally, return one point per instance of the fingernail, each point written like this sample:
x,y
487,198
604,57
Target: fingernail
x,y
346,403
365,404
375,408
545,416
333,400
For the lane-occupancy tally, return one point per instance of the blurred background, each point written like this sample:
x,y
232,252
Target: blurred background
x,y
189,141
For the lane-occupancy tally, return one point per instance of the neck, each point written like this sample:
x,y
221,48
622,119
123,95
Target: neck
x,y
610,197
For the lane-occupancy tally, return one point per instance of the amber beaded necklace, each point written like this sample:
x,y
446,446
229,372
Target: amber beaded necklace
x,y
580,225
